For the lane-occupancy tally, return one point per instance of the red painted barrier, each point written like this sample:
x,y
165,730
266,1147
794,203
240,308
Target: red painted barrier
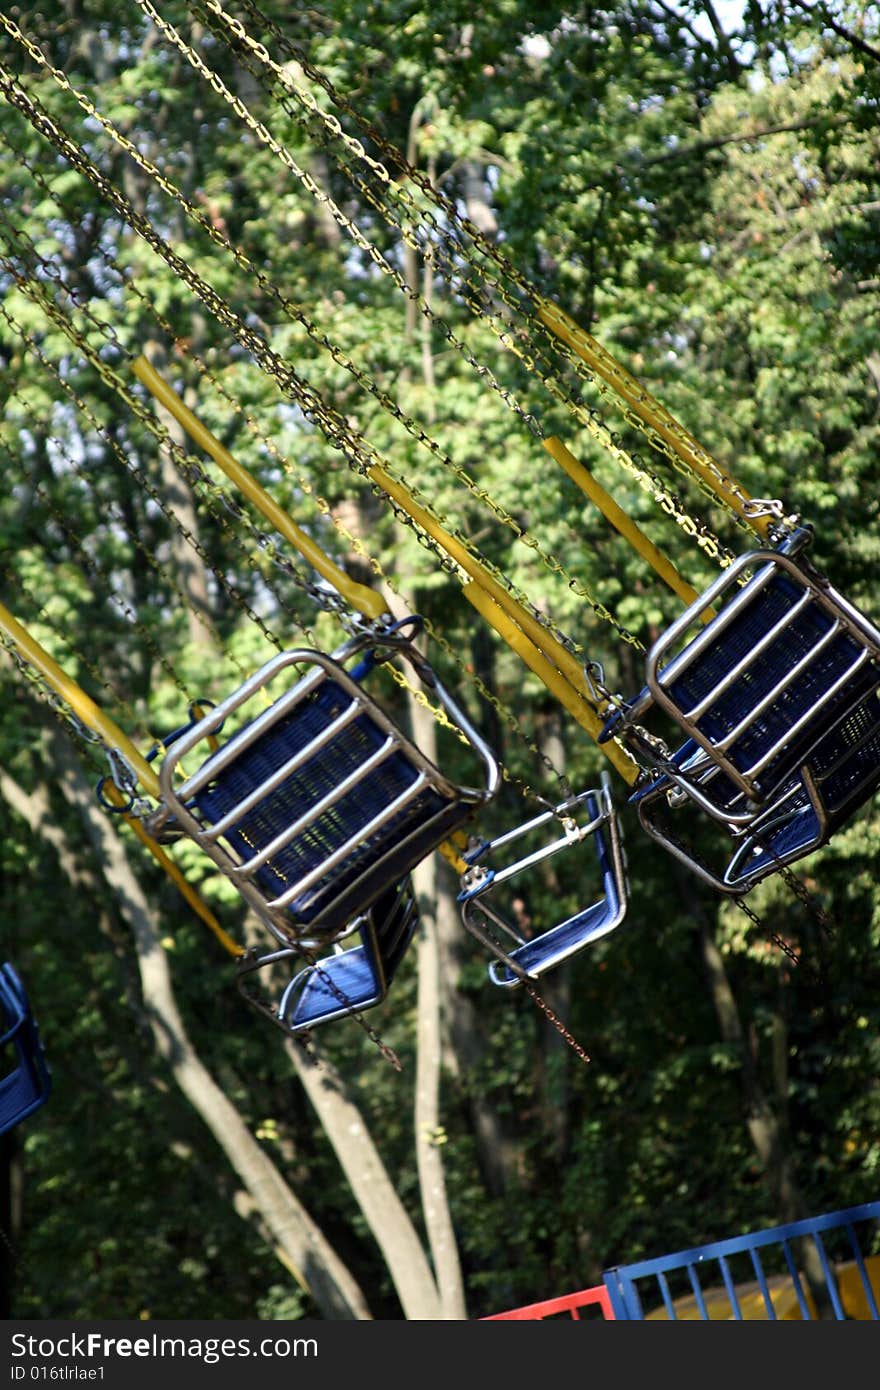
x,y
568,1303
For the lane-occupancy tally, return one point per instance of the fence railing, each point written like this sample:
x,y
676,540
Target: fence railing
x,y
569,1305
825,1267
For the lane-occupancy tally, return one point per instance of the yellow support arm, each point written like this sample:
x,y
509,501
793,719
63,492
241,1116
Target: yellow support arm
x,y
618,518
366,600
537,647
200,908
648,409
94,718
82,705
537,634
516,639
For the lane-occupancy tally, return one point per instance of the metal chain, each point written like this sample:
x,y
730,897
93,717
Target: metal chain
x,y
367,384
33,289
360,455
125,780
609,442
506,715
266,1005
435,253
557,1023
789,878
66,715
90,567
123,458
776,939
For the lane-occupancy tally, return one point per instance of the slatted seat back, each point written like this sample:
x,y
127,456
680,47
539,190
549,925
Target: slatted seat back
x,y
842,774
26,1081
764,680
314,805
531,957
760,685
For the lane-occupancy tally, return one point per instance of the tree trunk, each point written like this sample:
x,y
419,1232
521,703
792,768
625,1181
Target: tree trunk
x,y
369,1181
304,1248
765,1128
429,1139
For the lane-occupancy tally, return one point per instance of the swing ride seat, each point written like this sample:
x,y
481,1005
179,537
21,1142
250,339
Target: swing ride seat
x,y
531,957
319,802
758,687
26,1087
357,977
841,775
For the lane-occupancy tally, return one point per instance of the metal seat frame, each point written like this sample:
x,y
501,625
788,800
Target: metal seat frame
x,y
389,858
531,957
762,780
843,772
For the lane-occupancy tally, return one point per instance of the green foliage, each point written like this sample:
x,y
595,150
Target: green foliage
x,y
706,208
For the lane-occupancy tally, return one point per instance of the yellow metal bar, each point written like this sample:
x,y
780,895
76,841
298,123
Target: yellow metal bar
x,y
537,634
189,893
200,908
648,409
366,600
82,705
451,854
554,681
93,718
618,518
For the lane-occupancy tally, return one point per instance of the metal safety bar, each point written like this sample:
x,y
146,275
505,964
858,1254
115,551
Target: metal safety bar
x,y
530,957
319,801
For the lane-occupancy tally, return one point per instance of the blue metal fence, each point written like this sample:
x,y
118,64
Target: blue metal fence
x,y
823,1267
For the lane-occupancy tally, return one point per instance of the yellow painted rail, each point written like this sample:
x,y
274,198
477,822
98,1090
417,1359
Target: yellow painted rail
x,y
617,517
649,410
364,599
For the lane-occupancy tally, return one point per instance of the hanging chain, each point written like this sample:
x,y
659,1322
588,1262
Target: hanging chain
x,y
367,384
127,464
600,431
387,403
556,1022
506,715
360,455
435,253
776,939
266,1005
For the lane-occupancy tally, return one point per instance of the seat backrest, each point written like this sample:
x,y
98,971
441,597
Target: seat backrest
x,y
761,684
26,1081
314,805
784,658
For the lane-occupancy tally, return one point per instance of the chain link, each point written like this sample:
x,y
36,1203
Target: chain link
x,y
367,384
615,384
360,455
506,715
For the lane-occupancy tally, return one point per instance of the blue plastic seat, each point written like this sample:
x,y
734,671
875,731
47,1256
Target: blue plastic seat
x,y
26,1086
841,775
351,979
357,977
315,805
530,957
759,686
